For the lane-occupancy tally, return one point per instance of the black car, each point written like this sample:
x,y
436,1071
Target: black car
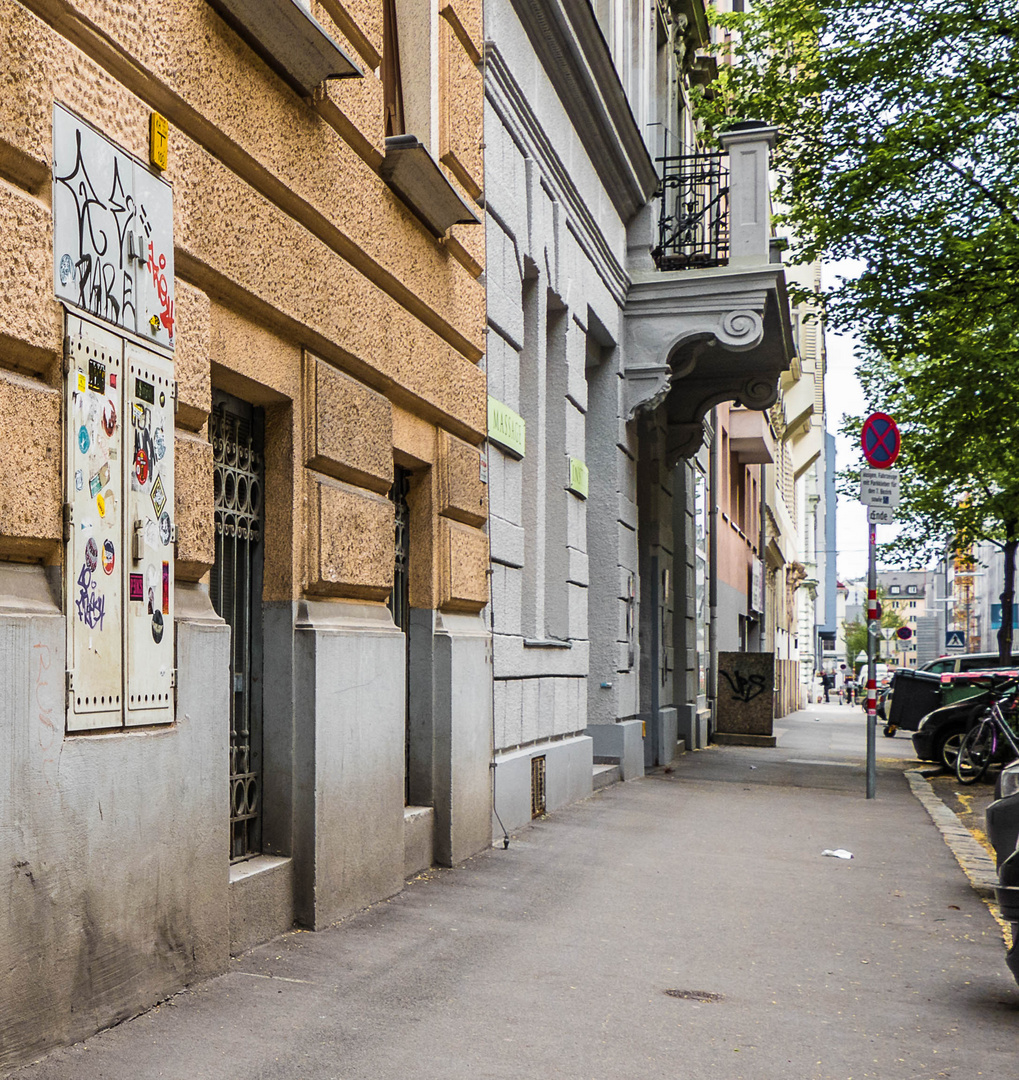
x,y
941,731
1002,818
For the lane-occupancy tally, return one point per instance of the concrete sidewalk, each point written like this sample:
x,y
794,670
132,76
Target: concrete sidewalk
x,y
555,957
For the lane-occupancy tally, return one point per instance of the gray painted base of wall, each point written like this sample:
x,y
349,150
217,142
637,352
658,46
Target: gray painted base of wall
x,y
568,772
624,742
462,733
693,727
261,901
418,829
349,758
115,844
667,734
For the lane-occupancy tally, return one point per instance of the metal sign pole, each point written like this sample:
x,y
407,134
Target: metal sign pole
x,y
873,630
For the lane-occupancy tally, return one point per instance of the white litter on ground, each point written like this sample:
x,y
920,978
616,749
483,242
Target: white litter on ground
x,y
838,853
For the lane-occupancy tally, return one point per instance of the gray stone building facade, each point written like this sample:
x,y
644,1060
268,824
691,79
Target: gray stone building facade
x,y
610,340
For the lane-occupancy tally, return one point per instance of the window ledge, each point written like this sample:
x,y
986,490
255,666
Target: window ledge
x,y
259,864
547,643
411,171
289,40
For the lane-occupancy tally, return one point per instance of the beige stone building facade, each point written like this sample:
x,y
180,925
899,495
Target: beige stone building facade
x,y
230,701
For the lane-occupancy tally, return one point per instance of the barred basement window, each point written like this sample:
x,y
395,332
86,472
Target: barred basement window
x,y
537,786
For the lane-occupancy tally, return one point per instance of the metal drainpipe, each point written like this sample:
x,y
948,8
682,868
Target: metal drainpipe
x,y
761,540
656,662
714,517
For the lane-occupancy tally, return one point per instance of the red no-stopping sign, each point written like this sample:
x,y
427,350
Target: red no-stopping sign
x,y
880,438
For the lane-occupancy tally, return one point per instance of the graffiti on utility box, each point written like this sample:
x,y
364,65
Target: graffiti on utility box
x,y
112,232
746,683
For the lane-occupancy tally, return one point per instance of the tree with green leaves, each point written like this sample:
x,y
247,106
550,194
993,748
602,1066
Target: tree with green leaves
x,y
856,632
898,149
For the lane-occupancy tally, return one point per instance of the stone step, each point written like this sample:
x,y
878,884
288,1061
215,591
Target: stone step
x,y
605,774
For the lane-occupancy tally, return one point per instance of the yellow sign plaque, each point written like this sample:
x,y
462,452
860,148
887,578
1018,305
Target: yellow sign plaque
x,y
159,132
506,428
578,477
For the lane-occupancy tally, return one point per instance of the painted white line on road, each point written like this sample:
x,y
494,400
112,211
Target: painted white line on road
x,y
818,761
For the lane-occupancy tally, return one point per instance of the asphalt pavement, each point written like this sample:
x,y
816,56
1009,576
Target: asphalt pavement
x,y
684,926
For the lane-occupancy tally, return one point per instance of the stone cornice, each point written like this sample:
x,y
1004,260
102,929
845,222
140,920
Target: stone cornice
x,y
520,120
568,41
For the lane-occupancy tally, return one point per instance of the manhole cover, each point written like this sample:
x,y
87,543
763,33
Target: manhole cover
x,y
694,995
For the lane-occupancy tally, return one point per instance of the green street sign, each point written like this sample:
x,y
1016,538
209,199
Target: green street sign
x,y
505,427
578,477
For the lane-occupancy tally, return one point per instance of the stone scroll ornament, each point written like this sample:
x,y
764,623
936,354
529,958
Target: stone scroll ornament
x,y
740,330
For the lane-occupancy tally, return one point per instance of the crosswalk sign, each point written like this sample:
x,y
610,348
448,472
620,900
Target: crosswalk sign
x,y
955,639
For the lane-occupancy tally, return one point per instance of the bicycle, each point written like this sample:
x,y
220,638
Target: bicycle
x,y
982,743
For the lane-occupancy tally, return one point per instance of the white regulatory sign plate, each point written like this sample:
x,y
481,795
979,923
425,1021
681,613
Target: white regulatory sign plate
x,y
880,515
879,487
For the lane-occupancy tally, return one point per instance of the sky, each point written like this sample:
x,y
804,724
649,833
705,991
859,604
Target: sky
x,y
844,397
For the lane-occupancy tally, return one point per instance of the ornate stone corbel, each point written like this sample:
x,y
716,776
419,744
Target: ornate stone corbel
x,y
646,389
740,330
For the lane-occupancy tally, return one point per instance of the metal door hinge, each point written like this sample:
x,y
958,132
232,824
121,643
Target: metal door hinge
x,y
173,678
68,688
68,516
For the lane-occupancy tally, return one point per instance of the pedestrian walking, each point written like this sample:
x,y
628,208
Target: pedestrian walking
x,y
826,682
840,682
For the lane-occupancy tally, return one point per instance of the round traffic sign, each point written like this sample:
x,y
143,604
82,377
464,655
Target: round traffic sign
x,y
904,633
880,438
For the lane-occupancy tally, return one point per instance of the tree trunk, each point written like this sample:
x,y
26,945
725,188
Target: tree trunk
x,y
1007,601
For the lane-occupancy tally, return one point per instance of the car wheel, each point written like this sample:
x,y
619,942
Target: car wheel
x,y
948,748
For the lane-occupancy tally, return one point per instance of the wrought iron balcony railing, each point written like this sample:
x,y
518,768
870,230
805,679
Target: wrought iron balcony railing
x,y
693,226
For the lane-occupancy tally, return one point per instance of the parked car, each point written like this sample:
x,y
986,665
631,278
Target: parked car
x,y
1002,818
941,729
883,676
922,690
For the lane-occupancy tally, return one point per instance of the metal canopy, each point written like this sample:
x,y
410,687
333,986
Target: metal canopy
x,y
291,42
412,173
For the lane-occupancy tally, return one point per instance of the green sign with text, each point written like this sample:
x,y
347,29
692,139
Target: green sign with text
x,y
505,427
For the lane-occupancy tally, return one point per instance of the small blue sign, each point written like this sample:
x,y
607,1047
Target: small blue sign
x,y
955,639
996,616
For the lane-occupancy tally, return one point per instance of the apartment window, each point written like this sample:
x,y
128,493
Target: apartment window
x,y
911,590
894,590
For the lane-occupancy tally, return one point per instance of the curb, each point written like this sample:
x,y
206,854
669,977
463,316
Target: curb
x,y
976,864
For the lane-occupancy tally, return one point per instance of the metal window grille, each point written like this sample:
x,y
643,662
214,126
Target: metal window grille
x,y
399,598
537,786
693,225
236,587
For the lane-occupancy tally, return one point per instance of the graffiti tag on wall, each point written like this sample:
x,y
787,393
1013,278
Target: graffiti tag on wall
x,y
745,687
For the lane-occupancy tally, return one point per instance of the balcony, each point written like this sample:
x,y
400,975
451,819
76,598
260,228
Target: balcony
x,y
706,316
750,437
693,225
